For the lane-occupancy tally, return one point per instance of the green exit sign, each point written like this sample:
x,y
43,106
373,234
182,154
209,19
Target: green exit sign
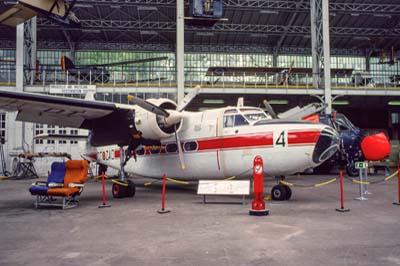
x,y
361,165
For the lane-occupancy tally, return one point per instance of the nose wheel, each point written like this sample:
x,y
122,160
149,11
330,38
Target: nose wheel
x,y
281,192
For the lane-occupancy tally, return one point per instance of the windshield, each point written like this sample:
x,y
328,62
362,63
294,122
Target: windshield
x,y
253,115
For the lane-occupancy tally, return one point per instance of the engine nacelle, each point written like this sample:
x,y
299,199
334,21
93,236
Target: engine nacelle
x,y
155,126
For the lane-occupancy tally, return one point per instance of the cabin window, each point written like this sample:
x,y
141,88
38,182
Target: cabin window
x,y
155,149
171,148
190,146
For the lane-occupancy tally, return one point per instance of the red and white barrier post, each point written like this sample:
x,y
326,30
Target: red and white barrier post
x,y
104,204
164,184
342,208
398,186
258,204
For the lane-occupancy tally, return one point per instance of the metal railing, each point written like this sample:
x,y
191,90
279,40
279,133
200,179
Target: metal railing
x,y
194,78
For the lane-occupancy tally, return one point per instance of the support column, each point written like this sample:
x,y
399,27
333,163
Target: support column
x,y
321,49
25,74
30,50
180,53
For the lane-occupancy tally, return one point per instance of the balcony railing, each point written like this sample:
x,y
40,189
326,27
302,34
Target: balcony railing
x,y
194,78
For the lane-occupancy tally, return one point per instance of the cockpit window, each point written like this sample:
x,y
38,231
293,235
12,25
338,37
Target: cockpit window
x,y
234,120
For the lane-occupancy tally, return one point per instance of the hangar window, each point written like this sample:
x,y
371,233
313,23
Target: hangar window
x,y
171,148
190,146
51,130
74,132
38,131
3,127
62,131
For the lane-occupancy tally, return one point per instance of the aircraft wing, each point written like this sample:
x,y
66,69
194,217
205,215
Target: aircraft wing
x,y
261,71
53,110
139,61
16,14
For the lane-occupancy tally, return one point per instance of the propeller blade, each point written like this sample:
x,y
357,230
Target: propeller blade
x,y
148,106
270,110
180,152
188,99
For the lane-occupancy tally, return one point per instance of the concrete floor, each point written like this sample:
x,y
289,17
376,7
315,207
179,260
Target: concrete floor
x,y
303,231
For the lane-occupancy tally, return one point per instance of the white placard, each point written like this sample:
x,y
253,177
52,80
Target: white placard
x,y
224,187
71,89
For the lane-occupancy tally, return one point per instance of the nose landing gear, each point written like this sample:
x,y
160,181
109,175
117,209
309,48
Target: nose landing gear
x,y
123,187
281,192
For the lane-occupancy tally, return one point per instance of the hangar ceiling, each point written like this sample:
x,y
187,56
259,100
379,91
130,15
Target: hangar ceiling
x,y
282,26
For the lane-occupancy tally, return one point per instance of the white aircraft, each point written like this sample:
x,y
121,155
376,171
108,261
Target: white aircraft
x,y
213,144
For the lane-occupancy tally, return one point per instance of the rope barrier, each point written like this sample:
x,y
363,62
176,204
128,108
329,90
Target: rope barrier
x,y
314,185
181,182
119,183
374,182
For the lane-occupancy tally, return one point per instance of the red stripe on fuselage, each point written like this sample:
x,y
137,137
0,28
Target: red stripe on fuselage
x,y
245,141
303,138
265,139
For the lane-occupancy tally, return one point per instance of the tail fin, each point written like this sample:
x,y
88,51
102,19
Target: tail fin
x,y
66,63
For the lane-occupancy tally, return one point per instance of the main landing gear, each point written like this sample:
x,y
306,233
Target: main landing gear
x,y
123,187
281,192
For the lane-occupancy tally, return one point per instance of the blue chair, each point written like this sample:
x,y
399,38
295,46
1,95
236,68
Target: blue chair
x,y
55,180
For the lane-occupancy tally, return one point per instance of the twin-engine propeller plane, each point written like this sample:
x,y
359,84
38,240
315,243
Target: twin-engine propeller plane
x,y
163,138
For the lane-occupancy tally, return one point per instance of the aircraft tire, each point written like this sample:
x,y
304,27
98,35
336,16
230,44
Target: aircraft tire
x,y
119,191
351,170
288,192
278,193
131,189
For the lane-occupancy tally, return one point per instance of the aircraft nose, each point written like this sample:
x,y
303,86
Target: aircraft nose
x,y
327,145
375,147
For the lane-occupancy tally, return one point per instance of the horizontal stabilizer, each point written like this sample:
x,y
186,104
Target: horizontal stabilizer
x,y
17,14
61,137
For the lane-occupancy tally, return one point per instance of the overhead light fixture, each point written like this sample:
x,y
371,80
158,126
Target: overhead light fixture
x,y
354,14
266,11
261,35
148,32
382,16
345,102
394,103
213,101
91,30
147,8
83,5
115,6
200,33
10,2
278,102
